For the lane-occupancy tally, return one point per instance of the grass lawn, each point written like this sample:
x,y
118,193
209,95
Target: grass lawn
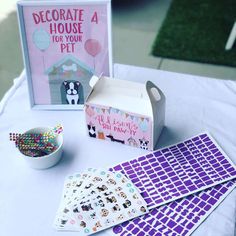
x,y
197,30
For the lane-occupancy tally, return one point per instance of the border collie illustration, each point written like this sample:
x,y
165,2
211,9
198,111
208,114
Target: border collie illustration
x,y
143,143
72,92
92,130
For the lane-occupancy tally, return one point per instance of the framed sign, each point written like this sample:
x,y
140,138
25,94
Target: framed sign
x,y
64,44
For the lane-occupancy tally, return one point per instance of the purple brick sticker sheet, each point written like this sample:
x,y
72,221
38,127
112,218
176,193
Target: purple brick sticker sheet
x,y
179,170
178,218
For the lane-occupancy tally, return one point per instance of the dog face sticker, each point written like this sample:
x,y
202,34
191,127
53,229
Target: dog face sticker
x,y
93,215
120,217
87,207
131,212
107,193
104,212
127,203
100,203
82,224
102,188
88,186
143,209
111,199
123,195
109,221
118,189
116,208
97,179
111,182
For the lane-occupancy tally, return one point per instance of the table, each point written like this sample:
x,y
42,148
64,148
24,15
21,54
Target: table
x,y
29,198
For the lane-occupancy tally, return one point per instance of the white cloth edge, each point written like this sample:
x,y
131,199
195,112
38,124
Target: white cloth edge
x,y
16,84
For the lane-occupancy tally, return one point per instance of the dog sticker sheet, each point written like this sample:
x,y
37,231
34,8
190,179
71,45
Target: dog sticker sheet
x,y
168,192
96,200
178,218
179,170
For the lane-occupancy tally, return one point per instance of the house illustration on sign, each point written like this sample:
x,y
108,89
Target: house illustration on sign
x,y
69,81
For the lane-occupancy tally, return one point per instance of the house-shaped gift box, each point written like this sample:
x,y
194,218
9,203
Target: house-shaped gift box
x,y
125,112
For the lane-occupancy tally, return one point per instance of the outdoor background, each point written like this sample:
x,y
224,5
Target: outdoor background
x,y
191,40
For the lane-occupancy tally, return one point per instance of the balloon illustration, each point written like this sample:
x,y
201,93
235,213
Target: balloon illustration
x,y
143,125
89,111
41,40
93,48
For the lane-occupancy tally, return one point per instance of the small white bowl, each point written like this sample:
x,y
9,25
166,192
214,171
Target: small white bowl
x,y
46,161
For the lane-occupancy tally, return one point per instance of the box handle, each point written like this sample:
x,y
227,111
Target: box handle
x,y
153,91
93,81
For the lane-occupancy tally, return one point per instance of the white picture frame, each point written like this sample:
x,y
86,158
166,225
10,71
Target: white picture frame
x,y
64,43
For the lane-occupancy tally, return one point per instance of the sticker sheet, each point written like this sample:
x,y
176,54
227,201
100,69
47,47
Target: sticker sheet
x,y
178,218
181,185
96,200
177,171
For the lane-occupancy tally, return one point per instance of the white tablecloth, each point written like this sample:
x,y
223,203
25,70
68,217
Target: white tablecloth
x,y
29,198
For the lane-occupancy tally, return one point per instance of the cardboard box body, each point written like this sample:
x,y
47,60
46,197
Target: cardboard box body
x,y
125,112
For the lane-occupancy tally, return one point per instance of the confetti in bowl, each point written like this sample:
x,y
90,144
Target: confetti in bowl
x,y
40,147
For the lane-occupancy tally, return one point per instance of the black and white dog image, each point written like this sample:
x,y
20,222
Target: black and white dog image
x,y
88,186
107,193
72,92
127,203
99,203
116,208
63,222
83,224
87,207
102,188
93,215
76,210
115,140
143,144
111,199
65,210
92,131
